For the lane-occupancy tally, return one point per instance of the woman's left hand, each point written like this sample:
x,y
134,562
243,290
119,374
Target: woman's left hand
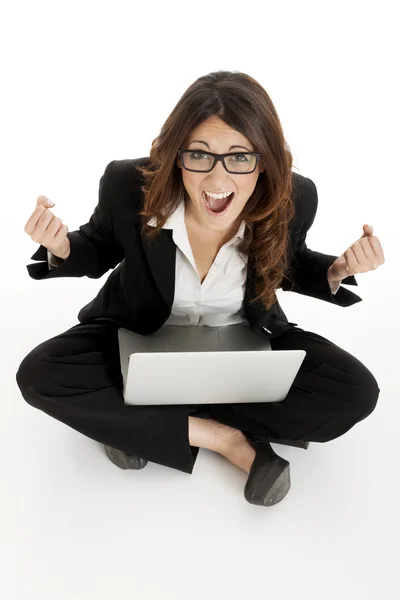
x,y
364,255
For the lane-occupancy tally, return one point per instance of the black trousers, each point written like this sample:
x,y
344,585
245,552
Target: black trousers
x,y
76,378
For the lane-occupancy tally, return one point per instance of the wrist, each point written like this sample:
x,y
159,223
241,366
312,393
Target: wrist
x,y
63,256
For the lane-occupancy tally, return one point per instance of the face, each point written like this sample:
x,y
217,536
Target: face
x,y
220,138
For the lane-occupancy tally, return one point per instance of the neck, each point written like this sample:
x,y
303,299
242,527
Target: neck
x,y
214,237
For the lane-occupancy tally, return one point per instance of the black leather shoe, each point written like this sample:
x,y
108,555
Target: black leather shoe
x,y
125,461
269,477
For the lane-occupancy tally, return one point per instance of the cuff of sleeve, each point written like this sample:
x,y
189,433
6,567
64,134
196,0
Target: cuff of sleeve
x,y
334,285
54,261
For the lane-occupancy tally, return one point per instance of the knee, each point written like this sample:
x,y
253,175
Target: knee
x,y
29,373
367,398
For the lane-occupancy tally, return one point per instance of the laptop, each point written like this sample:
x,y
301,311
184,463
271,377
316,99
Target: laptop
x,y
204,365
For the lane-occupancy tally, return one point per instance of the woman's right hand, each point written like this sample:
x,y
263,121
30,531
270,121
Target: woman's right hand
x,y
48,230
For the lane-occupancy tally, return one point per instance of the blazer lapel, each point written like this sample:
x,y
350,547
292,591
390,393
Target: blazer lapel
x,y
273,321
161,256
255,312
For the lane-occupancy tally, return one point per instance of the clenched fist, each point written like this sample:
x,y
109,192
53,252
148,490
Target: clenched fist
x,y
48,230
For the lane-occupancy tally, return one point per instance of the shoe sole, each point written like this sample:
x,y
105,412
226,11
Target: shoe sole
x,y
125,461
273,486
279,488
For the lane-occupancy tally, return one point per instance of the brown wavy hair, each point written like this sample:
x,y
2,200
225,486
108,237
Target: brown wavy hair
x,y
242,103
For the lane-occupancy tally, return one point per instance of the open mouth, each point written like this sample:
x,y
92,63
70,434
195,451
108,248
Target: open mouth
x,y
218,207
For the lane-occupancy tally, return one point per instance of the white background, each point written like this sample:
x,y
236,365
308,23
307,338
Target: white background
x,y
84,83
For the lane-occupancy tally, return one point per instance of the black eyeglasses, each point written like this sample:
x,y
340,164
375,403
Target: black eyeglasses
x,y
234,162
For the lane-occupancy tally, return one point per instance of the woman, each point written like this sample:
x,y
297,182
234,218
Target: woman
x,y
204,231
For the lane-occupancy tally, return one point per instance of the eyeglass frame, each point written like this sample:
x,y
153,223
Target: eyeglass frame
x,y
219,157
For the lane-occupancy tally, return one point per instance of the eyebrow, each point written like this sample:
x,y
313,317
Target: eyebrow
x,y
203,142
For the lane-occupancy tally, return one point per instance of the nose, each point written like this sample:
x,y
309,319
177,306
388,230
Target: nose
x,y
219,173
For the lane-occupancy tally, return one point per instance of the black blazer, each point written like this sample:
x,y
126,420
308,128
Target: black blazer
x,y
139,292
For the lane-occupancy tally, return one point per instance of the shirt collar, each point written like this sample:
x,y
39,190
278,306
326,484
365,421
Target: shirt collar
x,y
176,221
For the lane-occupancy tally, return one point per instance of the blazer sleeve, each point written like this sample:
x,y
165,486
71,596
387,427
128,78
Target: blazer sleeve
x,y
94,248
308,268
